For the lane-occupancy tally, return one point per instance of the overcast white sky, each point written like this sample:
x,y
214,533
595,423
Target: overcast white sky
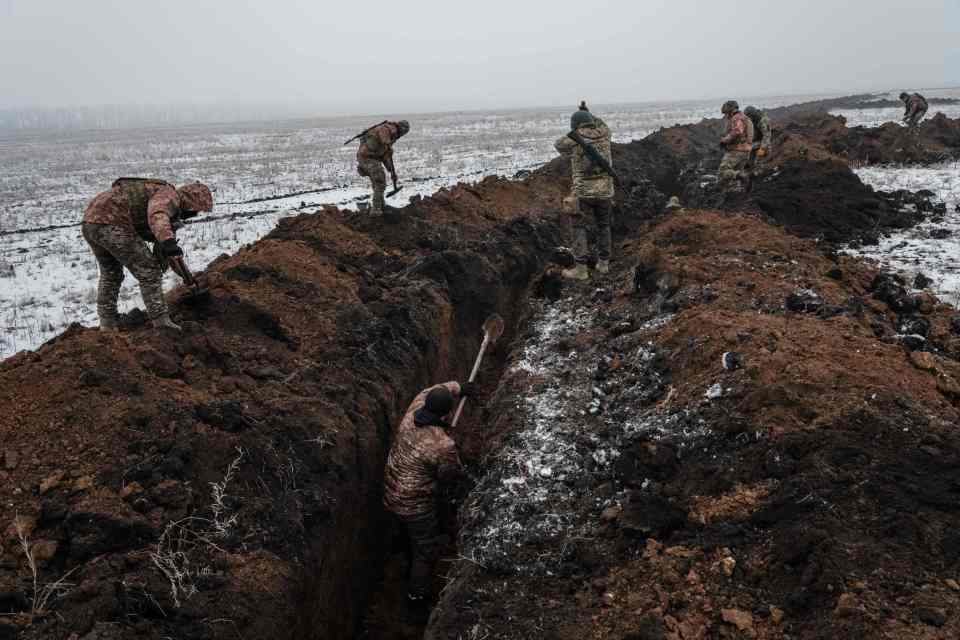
x,y
350,56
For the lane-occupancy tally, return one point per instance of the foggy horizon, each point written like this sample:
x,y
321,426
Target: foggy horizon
x,y
322,61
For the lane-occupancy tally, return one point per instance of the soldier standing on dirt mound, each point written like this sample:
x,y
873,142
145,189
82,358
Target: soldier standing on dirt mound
x,y
422,458
737,145
593,188
375,153
916,107
117,225
762,136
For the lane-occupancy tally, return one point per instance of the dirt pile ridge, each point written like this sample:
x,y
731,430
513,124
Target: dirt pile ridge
x,y
808,488
293,370
228,480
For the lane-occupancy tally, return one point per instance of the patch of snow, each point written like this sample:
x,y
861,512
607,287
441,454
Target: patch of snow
x,y
917,250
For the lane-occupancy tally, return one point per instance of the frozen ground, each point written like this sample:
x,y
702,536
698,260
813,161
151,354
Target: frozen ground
x,y
48,278
876,117
262,170
931,247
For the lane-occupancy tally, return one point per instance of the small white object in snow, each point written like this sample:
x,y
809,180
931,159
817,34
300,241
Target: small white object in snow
x,y
546,472
714,392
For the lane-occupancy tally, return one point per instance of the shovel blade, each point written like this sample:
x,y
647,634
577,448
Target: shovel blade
x,y
394,192
493,327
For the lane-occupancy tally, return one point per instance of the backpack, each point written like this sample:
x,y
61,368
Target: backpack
x,y
135,190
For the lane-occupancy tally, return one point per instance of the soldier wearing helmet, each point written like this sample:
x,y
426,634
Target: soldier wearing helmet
x,y
762,136
916,107
593,190
737,145
422,458
118,223
375,153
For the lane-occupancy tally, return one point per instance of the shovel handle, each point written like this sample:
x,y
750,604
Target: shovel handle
x,y
473,375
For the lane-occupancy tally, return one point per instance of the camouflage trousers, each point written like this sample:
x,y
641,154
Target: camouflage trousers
x,y
577,227
913,123
373,169
733,167
423,531
115,248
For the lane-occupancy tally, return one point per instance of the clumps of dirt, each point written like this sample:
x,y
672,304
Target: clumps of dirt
x,y
824,198
178,481
808,491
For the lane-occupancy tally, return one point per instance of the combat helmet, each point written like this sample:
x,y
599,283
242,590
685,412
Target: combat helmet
x,y
403,127
730,107
904,95
195,197
581,116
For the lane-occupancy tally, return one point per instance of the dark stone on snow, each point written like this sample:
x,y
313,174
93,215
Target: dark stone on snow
x,y
921,281
940,233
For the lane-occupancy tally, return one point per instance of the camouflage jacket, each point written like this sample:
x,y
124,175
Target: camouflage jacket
x,y
420,458
739,133
377,144
589,180
915,104
761,130
146,206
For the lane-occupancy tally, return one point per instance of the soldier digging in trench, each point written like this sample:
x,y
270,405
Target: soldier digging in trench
x,y
593,188
375,153
422,459
915,108
737,144
117,225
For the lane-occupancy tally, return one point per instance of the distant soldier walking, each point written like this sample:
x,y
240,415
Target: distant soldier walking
x,y
117,225
375,153
737,145
588,145
423,457
762,136
915,108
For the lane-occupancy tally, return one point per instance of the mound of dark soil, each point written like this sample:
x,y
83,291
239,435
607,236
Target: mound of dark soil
x,y
826,199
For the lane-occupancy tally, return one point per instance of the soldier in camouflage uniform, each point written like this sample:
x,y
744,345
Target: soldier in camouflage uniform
x,y
422,458
762,136
916,107
593,190
118,223
375,153
737,145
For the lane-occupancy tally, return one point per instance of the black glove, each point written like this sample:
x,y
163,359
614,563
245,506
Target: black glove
x,y
170,248
468,389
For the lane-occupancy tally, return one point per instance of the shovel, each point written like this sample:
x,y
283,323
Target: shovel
x,y
395,191
492,330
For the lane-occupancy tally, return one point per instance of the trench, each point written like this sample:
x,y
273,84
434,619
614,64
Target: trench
x,y
354,581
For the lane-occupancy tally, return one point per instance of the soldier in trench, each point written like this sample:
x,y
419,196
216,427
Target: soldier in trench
x,y
593,191
118,223
422,460
915,107
737,144
762,136
376,152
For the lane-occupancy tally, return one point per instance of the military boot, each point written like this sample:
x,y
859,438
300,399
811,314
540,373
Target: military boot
x,y
110,324
579,272
164,322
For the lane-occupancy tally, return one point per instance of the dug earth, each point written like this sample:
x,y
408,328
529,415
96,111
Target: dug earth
x,y
736,433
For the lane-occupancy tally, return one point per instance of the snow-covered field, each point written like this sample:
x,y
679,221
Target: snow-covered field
x,y
876,117
267,169
931,247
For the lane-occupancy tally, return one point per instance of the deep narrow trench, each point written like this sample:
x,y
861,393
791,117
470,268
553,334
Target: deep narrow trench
x,y
387,616
354,583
